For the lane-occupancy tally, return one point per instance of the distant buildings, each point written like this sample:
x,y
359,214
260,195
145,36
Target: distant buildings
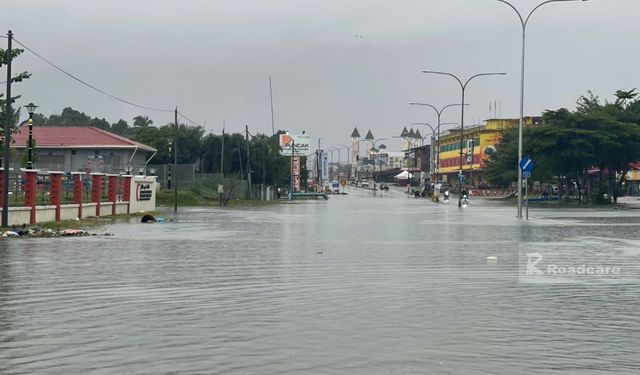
x,y
484,137
418,156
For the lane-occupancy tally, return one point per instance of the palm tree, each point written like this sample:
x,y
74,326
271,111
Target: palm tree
x,y
142,121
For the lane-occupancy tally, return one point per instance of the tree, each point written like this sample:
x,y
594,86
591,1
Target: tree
x,y
99,123
569,146
69,116
121,128
142,121
14,114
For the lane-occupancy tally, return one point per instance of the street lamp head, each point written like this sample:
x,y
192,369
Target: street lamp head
x,y
31,108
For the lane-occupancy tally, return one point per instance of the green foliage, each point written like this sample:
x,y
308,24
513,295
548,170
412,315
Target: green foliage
x,y
142,121
597,136
14,116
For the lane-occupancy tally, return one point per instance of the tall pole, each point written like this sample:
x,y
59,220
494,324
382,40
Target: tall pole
x,y
175,162
246,128
439,114
463,86
30,143
7,138
273,126
524,22
222,152
319,166
293,170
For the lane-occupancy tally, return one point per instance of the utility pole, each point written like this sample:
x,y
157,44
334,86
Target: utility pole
x,y
246,127
273,127
293,170
319,167
7,139
222,152
175,163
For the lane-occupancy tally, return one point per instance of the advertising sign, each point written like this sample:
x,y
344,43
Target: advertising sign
x,y
301,144
296,173
325,166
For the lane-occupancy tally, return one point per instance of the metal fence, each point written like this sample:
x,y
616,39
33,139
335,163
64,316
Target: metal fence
x,y
184,174
43,186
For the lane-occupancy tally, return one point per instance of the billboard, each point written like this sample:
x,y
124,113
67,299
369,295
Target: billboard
x,y
325,166
301,144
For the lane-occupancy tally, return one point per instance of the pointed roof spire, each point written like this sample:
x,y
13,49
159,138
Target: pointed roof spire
x,y
383,147
404,133
418,135
369,136
411,134
355,133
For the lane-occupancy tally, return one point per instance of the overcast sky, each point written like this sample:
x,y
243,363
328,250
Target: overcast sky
x,y
334,63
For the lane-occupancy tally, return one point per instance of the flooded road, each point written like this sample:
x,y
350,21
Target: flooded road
x,y
354,285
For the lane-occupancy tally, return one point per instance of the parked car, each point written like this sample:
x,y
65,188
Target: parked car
x,y
364,183
384,187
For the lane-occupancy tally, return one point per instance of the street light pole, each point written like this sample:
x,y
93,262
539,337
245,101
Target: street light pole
x,y
524,22
439,114
373,146
31,108
463,86
7,137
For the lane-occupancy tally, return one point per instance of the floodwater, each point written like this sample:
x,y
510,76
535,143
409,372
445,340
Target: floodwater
x,y
354,285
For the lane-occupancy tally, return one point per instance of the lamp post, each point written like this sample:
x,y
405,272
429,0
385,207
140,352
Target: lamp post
x,y
524,22
463,87
348,148
373,146
439,114
31,108
433,135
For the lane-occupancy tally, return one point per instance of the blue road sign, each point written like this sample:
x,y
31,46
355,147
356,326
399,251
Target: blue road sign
x,y
526,164
526,174
461,178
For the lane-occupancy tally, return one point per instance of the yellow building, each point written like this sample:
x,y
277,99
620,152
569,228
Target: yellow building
x,y
484,137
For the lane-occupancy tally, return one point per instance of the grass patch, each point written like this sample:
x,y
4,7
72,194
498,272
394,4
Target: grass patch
x,y
189,198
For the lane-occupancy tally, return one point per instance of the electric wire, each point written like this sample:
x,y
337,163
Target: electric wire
x,y
190,120
88,84
57,67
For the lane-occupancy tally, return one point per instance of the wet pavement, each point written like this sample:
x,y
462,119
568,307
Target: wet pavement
x,y
358,284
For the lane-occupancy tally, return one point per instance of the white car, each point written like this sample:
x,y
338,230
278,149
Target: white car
x,y
364,182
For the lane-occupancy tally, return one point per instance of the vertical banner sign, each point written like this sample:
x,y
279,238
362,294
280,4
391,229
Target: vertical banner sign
x,y
296,172
325,166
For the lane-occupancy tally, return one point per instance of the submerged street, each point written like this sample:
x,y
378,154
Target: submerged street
x,y
358,284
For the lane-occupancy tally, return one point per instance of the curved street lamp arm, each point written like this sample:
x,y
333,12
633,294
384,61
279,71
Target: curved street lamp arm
x,y
522,21
481,75
526,21
424,123
444,73
452,105
427,105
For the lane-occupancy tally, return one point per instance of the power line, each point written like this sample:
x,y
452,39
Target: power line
x,y
190,120
90,85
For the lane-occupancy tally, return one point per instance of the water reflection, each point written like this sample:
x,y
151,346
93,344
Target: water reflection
x,y
355,284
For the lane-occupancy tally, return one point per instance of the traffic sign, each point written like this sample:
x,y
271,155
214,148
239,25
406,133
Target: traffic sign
x,y
526,164
526,174
461,178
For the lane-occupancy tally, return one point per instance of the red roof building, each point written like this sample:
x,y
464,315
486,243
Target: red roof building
x,y
81,148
